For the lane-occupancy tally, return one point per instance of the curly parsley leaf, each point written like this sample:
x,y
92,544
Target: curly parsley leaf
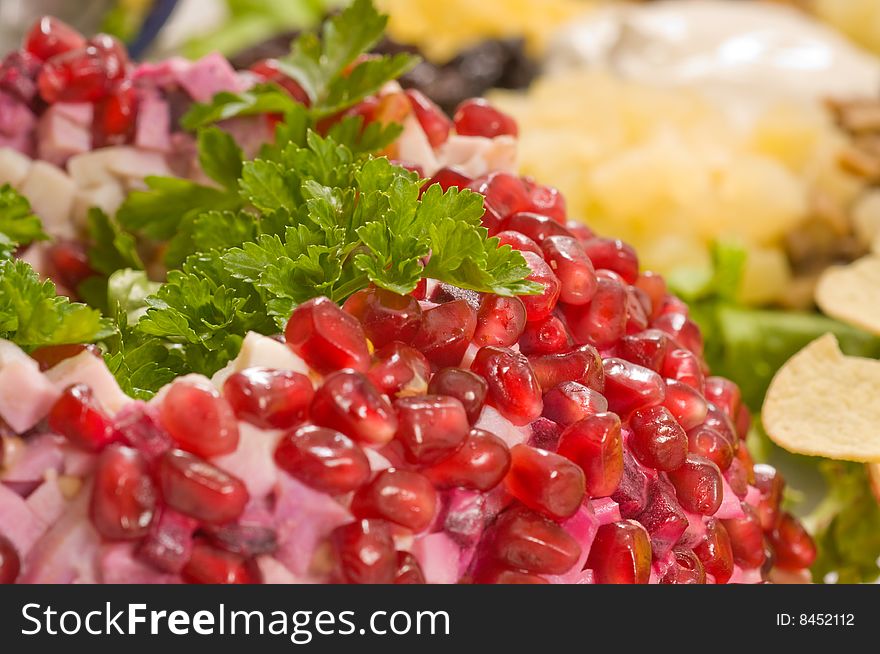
x,y
17,221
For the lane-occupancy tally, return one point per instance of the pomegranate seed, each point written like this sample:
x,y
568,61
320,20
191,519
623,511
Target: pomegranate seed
x,y
708,443
391,108
748,464
743,422
687,406
447,178
654,286
50,356
18,75
365,552
70,263
385,316
636,314
715,552
269,399
610,254
683,366
198,489
446,332
737,478
326,337
716,419
724,394
169,544
432,427
323,459
210,565
348,402
115,116
492,221
746,538
50,36
541,305
421,289
504,192
399,369
513,388
480,464
545,482
86,74
139,426
536,227
583,365
123,497
632,492
434,122
243,539
500,321
595,444
793,546
602,322
629,386
663,518
581,232
548,201
527,541
569,402
573,268
698,485
403,497
547,336
78,417
683,331
545,434
770,483
519,242
408,570
497,574
199,419
621,554
10,564
686,569
464,386
476,117
270,70
658,441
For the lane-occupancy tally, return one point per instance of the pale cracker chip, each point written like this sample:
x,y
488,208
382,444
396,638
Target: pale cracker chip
x,y
824,403
851,293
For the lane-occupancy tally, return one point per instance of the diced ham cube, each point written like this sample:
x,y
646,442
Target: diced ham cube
x,y
153,129
209,76
79,113
20,525
25,394
55,206
60,135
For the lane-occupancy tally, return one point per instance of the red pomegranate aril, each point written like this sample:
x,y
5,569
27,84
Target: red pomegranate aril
x,y
746,538
10,562
69,262
595,444
86,74
444,293
708,443
433,121
408,570
519,242
498,574
169,544
431,427
544,434
402,497
573,268
536,227
698,485
743,422
683,331
583,365
528,541
737,478
654,286
115,116
50,36
601,322
657,440
270,70
724,394
123,496
348,402
615,255
663,518
500,321
792,545
199,489
78,417
715,552
685,403
480,464
199,419
492,221
629,386
385,316
50,356
476,117
513,388
464,386
326,337
684,366
716,419
18,75
685,569
211,565
621,554
632,492
748,463
647,348
771,485
446,332
243,539
323,459
505,193
447,178
545,482
399,369
365,552
547,336
269,399
548,201
569,402
541,305
391,108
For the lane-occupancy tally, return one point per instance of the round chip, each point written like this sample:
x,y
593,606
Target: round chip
x,y
852,293
823,403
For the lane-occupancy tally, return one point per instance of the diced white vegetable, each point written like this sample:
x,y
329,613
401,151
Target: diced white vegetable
x,y
25,395
107,197
413,147
264,352
86,368
14,166
51,194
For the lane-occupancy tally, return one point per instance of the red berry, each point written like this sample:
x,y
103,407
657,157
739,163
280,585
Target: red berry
x,y
574,269
50,36
629,387
610,254
500,321
528,541
10,563
545,482
431,427
348,402
199,419
476,117
434,122
269,399
323,459
210,565
480,464
698,485
403,497
326,337
200,490
657,441
570,402
78,417
596,445
385,316
446,332
365,552
399,369
621,554
513,388
541,305
123,497
715,552
464,386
